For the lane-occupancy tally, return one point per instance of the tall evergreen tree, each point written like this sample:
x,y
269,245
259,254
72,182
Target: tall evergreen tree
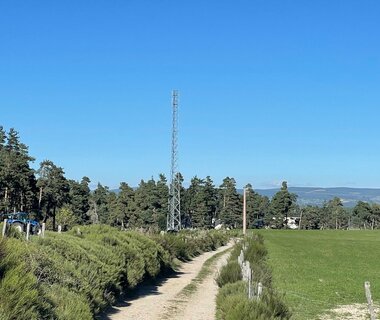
x,y
200,202
54,189
363,212
17,180
230,204
280,206
335,214
79,199
147,203
99,206
211,199
257,207
189,201
126,209
3,185
375,221
311,217
162,190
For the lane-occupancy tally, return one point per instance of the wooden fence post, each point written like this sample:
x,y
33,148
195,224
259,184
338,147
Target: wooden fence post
x,y
367,288
27,231
5,227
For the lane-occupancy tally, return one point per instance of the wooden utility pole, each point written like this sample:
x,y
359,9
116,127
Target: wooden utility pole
x,y
244,211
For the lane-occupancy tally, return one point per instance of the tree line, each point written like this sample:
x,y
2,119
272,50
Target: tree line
x,y
52,198
333,215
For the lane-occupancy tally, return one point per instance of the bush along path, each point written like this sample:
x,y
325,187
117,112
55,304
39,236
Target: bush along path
x,y
243,297
76,275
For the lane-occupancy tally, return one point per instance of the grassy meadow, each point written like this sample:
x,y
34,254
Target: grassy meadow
x,y
318,270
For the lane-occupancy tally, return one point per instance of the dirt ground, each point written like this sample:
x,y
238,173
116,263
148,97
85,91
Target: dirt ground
x,y
349,312
162,301
201,305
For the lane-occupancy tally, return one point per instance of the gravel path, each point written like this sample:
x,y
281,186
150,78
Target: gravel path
x,y
152,302
202,305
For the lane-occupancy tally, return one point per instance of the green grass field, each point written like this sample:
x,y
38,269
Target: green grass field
x,y
318,270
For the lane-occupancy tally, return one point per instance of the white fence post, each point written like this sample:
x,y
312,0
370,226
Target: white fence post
x,y
27,231
367,288
43,230
247,276
4,227
241,259
247,269
250,295
259,290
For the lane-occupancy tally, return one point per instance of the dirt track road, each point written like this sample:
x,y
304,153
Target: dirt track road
x,y
160,301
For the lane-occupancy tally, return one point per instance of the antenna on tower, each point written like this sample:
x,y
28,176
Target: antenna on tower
x,y
174,214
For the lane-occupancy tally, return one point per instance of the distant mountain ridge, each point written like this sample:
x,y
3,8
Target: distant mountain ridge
x,y
317,196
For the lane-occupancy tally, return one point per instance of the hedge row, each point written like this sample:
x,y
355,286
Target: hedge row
x,y
75,275
232,299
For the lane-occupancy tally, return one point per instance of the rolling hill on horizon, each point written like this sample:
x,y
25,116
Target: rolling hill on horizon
x,y
317,196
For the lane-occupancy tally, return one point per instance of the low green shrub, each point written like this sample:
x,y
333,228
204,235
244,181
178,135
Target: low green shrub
x,y
76,274
232,299
229,296
67,303
20,295
230,273
233,304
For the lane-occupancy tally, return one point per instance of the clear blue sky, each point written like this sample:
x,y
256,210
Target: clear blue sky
x,y
269,90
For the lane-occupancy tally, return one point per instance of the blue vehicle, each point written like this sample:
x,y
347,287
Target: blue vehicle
x,y
20,220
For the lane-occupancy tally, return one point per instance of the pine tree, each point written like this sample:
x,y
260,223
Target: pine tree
x,y
200,201
162,190
311,217
126,208
17,181
100,209
363,212
79,199
190,201
3,185
211,199
54,189
147,202
230,203
336,215
280,206
257,207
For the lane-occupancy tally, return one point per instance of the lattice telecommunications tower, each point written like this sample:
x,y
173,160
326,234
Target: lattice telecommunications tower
x,y
174,214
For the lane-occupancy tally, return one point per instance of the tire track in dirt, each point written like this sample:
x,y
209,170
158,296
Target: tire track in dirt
x,y
152,302
200,305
